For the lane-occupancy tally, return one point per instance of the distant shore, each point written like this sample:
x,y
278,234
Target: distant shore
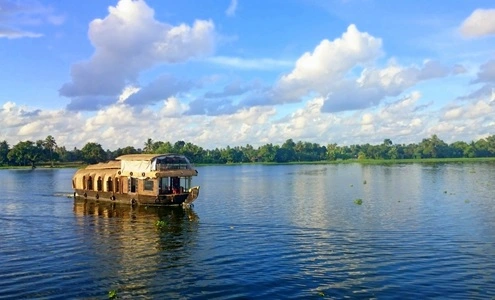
x,y
325,162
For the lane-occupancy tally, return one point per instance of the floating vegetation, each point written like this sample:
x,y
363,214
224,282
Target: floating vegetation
x,y
445,192
467,201
112,294
321,294
358,201
351,185
364,182
161,224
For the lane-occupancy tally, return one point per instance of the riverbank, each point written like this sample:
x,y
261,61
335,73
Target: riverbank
x,y
367,161
324,162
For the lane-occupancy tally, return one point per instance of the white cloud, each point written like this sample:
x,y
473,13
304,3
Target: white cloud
x,y
130,40
480,23
121,125
232,8
330,61
331,72
173,108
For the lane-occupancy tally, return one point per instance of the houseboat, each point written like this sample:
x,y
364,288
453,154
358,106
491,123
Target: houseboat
x,y
139,179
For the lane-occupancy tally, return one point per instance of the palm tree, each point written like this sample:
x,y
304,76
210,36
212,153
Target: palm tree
x,y
148,146
50,144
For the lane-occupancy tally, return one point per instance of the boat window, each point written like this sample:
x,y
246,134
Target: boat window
x,y
148,185
163,185
132,184
172,163
109,184
99,184
90,183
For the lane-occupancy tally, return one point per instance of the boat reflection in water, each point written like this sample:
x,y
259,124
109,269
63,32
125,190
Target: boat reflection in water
x,y
116,210
129,248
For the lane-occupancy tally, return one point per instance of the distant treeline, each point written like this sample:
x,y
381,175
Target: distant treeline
x,y
28,153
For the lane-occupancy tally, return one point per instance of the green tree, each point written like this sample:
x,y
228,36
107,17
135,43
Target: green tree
x,y
93,153
178,146
250,154
62,154
25,152
267,152
287,152
165,148
433,147
148,146
4,151
332,151
49,145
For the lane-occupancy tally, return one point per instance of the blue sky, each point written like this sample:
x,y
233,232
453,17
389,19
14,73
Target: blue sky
x,y
237,72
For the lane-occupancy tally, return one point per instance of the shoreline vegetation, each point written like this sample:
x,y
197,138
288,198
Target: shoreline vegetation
x,y
326,162
47,154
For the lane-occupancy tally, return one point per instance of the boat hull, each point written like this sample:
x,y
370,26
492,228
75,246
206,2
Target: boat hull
x,y
139,199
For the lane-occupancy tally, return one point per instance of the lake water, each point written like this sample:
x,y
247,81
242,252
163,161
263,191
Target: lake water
x,y
271,232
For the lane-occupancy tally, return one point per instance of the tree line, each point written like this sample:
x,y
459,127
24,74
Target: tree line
x,y
29,153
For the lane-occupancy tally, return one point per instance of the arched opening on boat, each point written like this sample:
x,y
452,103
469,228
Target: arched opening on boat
x,y
117,185
90,183
109,184
99,184
84,182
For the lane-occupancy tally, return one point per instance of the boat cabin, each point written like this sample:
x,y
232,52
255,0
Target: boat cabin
x,y
151,179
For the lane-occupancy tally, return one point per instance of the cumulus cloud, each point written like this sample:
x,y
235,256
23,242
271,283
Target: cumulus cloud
x,y
401,120
329,62
480,23
24,123
486,77
130,40
211,106
161,88
234,88
90,103
486,72
15,16
374,85
332,70
173,108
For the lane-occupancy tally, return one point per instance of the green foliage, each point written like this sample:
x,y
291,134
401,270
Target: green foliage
x,y
93,153
25,153
4,151
432,148
358,201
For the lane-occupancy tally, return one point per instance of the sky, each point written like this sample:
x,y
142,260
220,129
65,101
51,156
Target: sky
x,y
236,72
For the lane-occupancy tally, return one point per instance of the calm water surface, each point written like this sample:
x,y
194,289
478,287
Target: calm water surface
x,y
272,232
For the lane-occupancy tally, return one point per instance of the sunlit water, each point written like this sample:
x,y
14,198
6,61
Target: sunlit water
x,y
272,232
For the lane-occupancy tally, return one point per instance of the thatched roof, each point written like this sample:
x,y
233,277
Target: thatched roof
x,y
147,157
113,164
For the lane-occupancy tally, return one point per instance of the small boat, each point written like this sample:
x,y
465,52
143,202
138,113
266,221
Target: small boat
x,y
139,179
